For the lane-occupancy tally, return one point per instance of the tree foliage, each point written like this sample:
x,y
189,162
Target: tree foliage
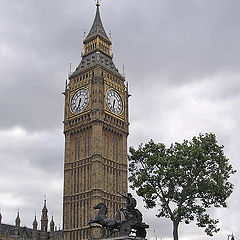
x,y
184,180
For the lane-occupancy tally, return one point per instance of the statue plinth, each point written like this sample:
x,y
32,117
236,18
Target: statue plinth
x,y
122,238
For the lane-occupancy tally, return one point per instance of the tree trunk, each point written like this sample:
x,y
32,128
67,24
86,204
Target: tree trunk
x,y
175,230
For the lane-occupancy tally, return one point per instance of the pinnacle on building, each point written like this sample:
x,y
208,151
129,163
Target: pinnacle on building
x,y
44,220
97,49
17,224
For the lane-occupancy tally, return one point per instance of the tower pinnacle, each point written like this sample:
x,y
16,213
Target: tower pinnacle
x,y
44,217
35,223
18,220
97,28
17,224
97,3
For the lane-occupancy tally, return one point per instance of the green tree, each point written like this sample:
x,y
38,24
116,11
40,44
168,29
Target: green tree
x,y
184,180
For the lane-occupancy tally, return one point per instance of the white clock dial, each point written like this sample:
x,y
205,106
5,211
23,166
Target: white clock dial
x,y
79,101
114,102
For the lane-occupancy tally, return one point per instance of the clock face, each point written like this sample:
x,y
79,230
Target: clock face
x,y
114,102
79,101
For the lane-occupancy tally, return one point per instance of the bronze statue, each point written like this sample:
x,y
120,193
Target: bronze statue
x,y
131,223
131,213
102,219
131,202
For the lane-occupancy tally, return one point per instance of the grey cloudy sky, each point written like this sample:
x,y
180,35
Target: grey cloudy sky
x,y
182,63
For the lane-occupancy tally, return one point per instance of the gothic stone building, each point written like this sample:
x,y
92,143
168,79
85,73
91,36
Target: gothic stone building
x,y
17,232
96,130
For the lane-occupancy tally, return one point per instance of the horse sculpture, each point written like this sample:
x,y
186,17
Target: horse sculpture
x,y
131,224
102,219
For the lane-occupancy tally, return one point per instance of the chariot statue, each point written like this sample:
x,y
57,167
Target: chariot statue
x,y
131,224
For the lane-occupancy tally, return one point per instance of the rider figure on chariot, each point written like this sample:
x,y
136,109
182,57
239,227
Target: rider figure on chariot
x,y
131,202
131,212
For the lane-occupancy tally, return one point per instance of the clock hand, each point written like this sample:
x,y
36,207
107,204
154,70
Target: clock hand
x,y
114,101
79,102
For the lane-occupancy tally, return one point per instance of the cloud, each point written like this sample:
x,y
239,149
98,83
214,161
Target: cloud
x,y
31,166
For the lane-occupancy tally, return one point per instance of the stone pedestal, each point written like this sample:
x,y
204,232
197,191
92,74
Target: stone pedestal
x,y
122,238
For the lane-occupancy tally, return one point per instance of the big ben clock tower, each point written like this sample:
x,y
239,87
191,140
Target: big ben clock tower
x,y
96,130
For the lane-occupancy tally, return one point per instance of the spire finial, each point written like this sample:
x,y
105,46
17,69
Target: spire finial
x,y
97,3
70,69
45,202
